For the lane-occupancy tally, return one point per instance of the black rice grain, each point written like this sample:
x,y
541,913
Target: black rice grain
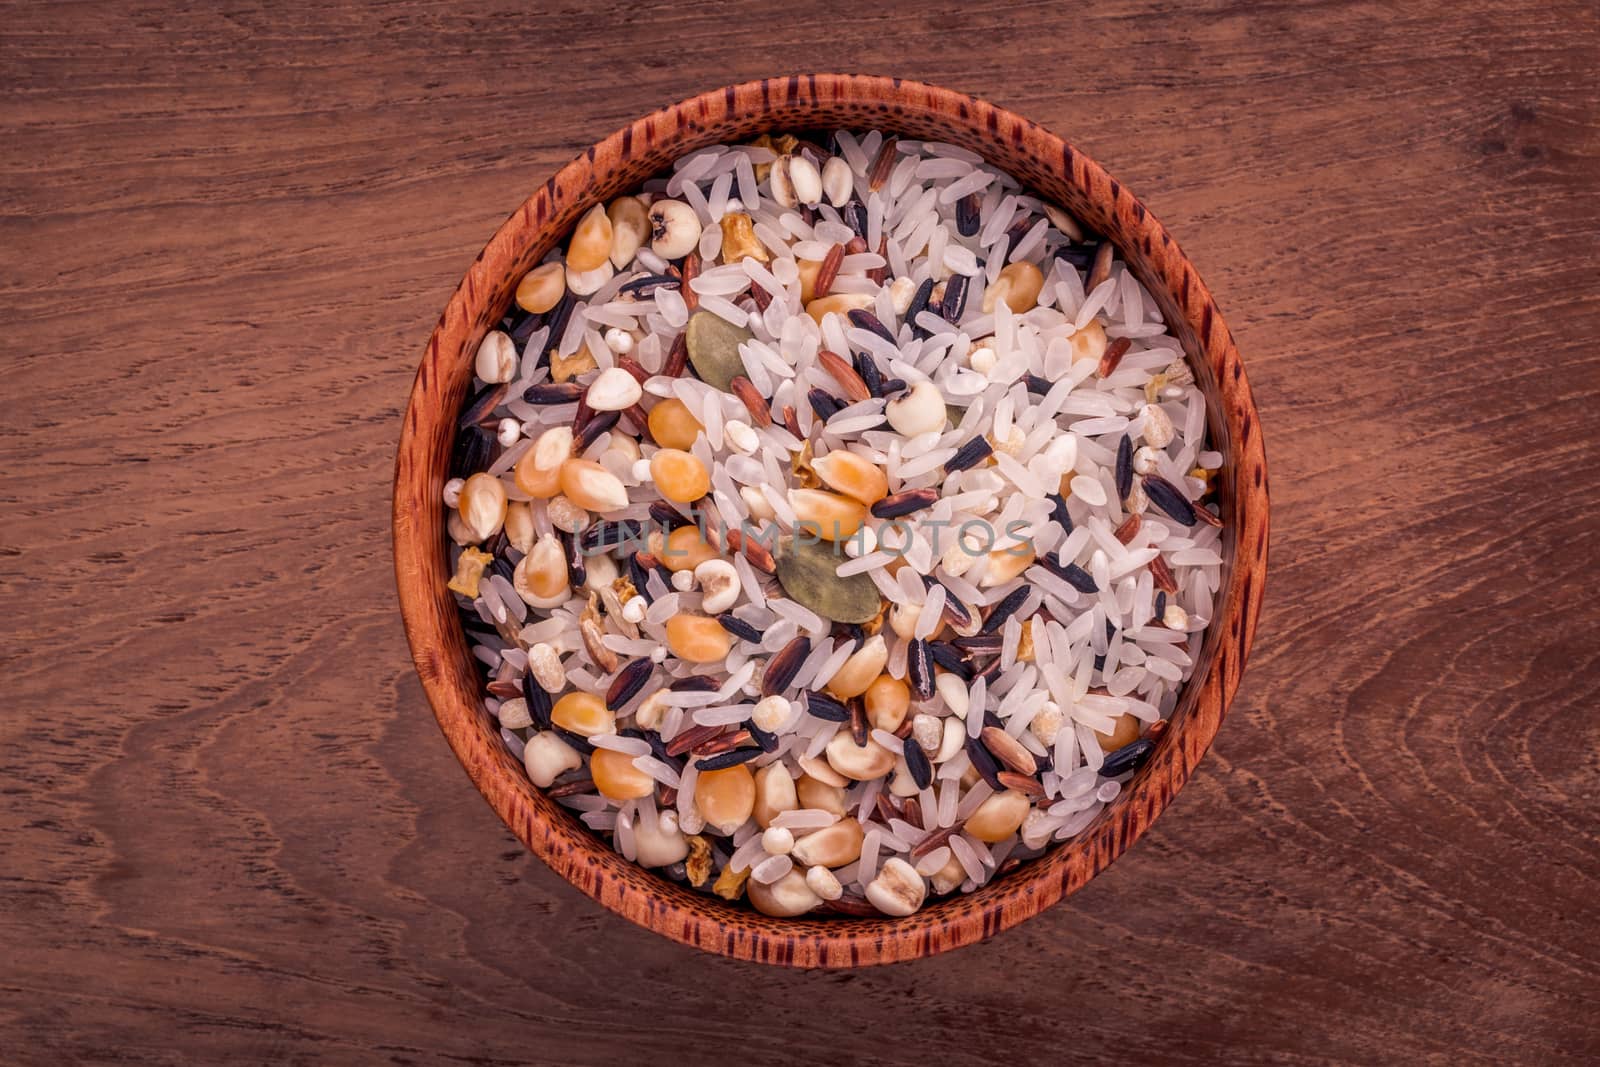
x,y
1124,467
825,707
539,703
1127,758
731,758
739,628
954,301
862,319
1164,495
784,665
867,367
917,763
920,669
628,682
950,658
824,404
553,393
1004,610
970,455
967,214
986,765
1072,574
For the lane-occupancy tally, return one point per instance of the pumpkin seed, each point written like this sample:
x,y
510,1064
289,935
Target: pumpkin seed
x,y
806,570
714,348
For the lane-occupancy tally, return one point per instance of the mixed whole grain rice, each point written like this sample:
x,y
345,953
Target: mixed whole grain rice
x,y
832,523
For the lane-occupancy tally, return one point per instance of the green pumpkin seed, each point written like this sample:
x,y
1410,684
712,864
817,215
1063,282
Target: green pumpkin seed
x,y
806,570
713,345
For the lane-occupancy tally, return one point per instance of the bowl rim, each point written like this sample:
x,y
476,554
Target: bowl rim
x,y
549,831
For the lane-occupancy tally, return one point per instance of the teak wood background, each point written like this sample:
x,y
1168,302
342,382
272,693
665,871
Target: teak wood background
x,y
231,831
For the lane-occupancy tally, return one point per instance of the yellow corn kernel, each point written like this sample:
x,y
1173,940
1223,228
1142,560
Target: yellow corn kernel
x,y
584,714
542,288
683,549
616,777
1005,564
837,302
547,568
630,226
860,670
1089,342
1025,651
820,795
808,278
679,475
672,425
592,487
1125,732
538,472
827,515
539,484
998,817
591,240
850,474
483,505
469,571
887,701
697,639
725,798
1018,284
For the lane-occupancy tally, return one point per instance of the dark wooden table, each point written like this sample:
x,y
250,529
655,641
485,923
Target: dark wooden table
x,y
231,831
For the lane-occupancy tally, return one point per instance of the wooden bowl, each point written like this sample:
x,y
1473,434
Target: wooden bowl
x,y
620,163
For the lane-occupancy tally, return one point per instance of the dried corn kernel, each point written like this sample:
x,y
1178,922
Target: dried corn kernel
x,y
1124,731
630,225
808,278
697,639
1025,645
679,475
584,714
887,700
860,670
850,474
616,777
839,303
725,798
483,505
827,515
546,569
998,817
672,425
592,487
542,288
591,240
683,549
538,472
539,484
1089,342
1018,285
1006,564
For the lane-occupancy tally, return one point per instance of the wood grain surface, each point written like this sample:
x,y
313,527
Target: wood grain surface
x,y
231,831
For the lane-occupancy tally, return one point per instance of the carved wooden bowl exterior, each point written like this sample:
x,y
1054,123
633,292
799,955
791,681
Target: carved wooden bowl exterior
x,y
621,162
